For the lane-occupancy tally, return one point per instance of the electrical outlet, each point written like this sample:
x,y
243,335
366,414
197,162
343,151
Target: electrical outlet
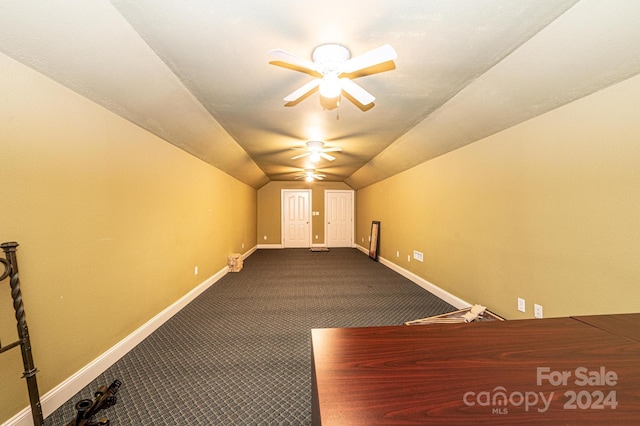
x,y
242,245
398,253
521,305
537,311
408,258
418,256
265,237
316,237
195,271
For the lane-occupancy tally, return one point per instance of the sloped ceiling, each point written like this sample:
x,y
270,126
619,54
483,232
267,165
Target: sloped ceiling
x,y
197,73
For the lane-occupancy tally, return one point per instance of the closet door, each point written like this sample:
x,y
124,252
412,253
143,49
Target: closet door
x,y
296,218
339,218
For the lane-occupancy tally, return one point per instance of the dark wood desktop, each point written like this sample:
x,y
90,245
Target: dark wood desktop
x,y
578,370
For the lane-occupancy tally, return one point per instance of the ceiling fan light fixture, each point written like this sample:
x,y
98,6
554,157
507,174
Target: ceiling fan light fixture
x,y
314,157
330,86
330,58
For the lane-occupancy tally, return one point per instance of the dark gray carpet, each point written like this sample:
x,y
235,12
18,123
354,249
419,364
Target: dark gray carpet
x,y
240,354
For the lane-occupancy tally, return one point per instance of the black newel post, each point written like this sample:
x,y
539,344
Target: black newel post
x,y
11,271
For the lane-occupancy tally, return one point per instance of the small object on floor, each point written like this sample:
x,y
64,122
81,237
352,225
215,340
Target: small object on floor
x,y
319,249
471,314
475,312
104,398
234,262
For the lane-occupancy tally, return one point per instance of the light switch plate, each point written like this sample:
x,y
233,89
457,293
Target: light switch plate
x,y
537,311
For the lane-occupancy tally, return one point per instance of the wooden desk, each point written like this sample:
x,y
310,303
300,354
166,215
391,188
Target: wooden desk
x,y
625,325
492,373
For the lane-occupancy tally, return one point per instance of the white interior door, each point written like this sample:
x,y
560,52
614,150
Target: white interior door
x,y
296,218
339,214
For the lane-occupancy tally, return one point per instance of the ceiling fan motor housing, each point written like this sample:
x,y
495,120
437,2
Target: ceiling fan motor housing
x,y
330,57
315,146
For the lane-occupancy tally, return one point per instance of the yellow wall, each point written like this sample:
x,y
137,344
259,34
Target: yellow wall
x,y
548,210
111,223
269,207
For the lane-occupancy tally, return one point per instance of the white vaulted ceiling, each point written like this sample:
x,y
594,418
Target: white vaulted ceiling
x,y
197,73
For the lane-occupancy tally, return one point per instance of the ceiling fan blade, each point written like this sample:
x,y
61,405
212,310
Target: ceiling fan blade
x,y
303,90
334,149
357,92
292,59
373,57
300,156
327,156
319,177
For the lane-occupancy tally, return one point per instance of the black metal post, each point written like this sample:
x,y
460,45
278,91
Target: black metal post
x,y
11,266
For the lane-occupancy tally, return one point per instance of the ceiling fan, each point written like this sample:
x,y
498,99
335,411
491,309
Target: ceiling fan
x,y
332,64
309,175
315,151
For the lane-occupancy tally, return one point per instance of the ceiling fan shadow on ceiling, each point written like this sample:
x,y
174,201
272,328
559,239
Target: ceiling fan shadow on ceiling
x,y
309,175
315,151
334,69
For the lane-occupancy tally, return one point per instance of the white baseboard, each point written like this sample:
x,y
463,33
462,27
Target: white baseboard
x,y
60,394
270,246
451,299
249,252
